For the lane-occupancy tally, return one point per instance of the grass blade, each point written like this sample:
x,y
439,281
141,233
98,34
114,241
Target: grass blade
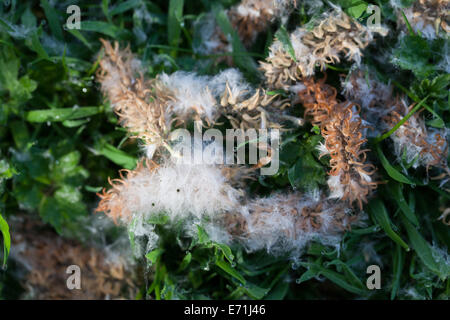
x,y
4,228
380,216
398,262
61,114
52,17
173,24
422,248
391,171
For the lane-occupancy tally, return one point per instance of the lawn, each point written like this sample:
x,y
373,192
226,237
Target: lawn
x,y
347,198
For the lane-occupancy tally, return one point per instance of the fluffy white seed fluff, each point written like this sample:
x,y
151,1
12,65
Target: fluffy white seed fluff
x,y
180,188
277,230
201,94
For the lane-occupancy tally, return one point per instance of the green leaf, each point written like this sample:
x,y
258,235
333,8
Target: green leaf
x,y
355,8
20,133
203,237
159,219
423,249
185,262
307,275
175,17
414,53
4,228
340,281
226,251
125,6
333,276
152,256
380,216
398,262
395,189
391,171
36,46
104,28
77,34
306,173
350,275
283,36
279,291
225,266
52,17
118,156
62,114
254,291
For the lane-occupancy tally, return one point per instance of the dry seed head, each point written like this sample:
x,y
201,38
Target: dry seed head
x,y
413,140
176,188
340,124
248,18
284,223
430,17
334,36
130,95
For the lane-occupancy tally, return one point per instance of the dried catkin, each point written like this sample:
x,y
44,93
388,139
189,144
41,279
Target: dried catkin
x,y
333,36
248,18
178,188
129,92
151,108
429,17
413,141
340,124
285,223
45,256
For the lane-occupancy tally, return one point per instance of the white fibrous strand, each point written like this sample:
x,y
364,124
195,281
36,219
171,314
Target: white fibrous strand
x,y
334,36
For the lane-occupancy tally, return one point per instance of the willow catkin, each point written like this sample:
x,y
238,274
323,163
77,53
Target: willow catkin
x,y
130,94
285,223
340,124
333,36
45,256
248,18
413,140
429,17
151,108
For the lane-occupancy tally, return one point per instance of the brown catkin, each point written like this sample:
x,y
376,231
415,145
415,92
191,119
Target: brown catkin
x,y
332,37
342,130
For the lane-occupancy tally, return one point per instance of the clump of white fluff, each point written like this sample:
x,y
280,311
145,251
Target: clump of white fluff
x,y
416,153
190,91
180,189
201,94
364,90
276,224
235,80
206,39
